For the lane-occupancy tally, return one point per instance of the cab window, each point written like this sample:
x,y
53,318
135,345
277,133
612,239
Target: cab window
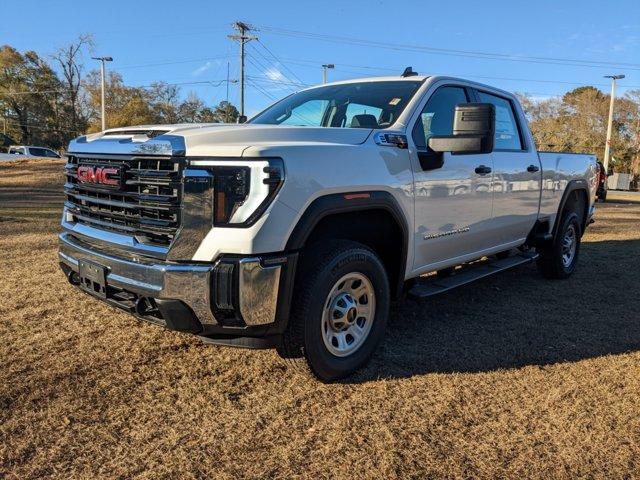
x,y
507,133
437,116
362,115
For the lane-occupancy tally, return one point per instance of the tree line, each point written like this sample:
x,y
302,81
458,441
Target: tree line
x,y
577,122
49,101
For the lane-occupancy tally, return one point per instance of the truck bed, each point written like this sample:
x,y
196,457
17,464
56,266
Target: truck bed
x,y
558,170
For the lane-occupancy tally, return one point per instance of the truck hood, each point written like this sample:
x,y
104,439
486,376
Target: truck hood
x,y
211,139
234,139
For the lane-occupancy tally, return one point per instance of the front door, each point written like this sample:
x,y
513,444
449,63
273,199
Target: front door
x,y
453,193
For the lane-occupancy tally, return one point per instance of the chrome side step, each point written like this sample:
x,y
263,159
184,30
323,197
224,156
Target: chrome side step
x,y
467,274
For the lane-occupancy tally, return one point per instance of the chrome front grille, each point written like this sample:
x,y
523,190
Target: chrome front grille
x,y
146,204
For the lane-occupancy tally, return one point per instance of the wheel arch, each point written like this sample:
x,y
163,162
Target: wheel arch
x,y
576,193
339,215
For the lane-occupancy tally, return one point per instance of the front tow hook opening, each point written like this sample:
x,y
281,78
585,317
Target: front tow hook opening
x,y
74,278
146,307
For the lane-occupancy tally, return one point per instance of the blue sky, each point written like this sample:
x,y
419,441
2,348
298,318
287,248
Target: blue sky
x,y
186,41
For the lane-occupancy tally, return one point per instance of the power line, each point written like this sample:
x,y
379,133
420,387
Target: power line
x,y
278,61
174,62
261,90
39,127
446,51
284,83
35,92
272,68
38,92
279,82
313,64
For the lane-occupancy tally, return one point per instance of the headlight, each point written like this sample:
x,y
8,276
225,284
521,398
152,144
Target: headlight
x,y
242,189
230,191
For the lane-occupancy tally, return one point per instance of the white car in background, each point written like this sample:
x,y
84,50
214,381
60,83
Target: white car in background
x,y
21,152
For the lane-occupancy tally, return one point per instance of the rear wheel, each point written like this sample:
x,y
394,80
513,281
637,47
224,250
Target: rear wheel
x,y
603,196
340,310
560,258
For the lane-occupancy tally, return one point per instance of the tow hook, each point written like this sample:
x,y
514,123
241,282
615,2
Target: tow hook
x,y
146,306
74,278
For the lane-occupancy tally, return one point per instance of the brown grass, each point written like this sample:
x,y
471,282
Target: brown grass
x,y
514,376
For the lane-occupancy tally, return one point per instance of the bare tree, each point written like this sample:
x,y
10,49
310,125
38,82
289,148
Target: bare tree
x,y
69,59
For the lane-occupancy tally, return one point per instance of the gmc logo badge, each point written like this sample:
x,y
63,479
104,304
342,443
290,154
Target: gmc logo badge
x,y
107,176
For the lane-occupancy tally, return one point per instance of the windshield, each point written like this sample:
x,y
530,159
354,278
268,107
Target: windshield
x,y
348,105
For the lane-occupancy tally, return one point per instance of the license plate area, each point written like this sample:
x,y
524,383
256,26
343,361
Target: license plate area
x,y
93,278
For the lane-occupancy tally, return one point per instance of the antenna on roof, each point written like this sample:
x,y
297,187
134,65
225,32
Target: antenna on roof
x,y
408,72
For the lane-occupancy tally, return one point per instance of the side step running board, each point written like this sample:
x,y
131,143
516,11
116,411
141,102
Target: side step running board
x,y
467,274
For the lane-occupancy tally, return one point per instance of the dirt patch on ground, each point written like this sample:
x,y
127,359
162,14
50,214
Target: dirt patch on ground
x,y
514,376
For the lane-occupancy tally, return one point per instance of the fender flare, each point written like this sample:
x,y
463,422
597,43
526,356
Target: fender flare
x,y
572,186
346,202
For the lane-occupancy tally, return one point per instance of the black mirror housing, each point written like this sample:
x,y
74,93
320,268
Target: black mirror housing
x,y
474,127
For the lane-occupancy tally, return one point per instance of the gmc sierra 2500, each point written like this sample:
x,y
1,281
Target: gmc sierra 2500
x,y
297,229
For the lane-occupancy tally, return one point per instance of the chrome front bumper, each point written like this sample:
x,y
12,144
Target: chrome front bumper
x,y
252,290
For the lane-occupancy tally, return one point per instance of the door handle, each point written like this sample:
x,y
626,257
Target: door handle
x,y
533,168
483,170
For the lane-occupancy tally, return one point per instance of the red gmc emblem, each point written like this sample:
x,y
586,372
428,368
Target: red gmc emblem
x,y
108,176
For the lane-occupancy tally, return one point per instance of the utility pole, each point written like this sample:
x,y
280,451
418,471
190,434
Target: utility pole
x,y
607,146
102,60
324,71
226,113
243,38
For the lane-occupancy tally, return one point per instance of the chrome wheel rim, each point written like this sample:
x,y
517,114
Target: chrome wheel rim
x,y
348,314
569,245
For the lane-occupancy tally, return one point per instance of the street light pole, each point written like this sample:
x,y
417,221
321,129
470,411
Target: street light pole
x,y
607,146
324,71
103,115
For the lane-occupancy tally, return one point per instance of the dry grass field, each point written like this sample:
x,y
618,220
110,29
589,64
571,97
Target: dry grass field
x,y
511,377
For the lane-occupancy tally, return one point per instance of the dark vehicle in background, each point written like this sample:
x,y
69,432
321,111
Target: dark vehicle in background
x,y
601,190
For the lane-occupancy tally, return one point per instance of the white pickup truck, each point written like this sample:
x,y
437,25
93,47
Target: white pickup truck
x,y
297,229
23,152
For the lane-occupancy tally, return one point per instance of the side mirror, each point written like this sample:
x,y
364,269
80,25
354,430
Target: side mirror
x,y
474,127
242,118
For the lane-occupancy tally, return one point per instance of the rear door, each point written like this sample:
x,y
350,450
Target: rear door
x,y
517,173
452,192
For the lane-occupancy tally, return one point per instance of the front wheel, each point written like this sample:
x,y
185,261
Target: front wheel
x,y
340,310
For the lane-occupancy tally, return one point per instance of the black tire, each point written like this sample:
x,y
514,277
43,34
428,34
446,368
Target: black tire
x,y
551,262
603,196
321,268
